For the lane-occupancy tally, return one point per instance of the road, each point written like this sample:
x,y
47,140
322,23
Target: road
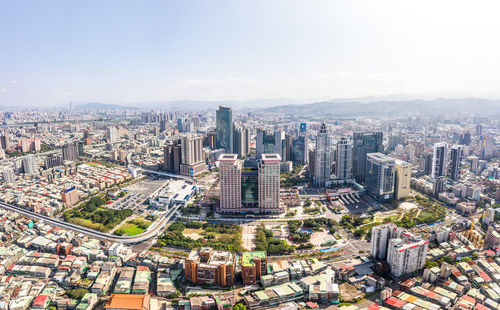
x,y
151,232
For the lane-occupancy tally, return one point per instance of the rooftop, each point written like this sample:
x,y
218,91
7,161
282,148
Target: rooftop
x,y
128,301
248,258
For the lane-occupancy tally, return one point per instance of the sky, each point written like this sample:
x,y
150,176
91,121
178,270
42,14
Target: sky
x,y
125,52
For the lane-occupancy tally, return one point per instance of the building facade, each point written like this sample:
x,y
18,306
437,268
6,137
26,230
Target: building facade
x,y
207,266
343,162
402,179
270,143
406,255
323,158
224,128
362,144
380,176
439,160
456,156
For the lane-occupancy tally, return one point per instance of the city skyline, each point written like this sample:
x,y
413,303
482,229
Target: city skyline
x,y
129,53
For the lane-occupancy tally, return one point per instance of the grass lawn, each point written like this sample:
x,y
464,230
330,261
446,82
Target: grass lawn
x,y
133,227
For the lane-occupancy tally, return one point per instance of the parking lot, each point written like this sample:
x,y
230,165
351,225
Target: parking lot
x,y
137,196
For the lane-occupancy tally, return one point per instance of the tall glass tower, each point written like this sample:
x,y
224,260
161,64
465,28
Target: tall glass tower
x,y
224,128
323,158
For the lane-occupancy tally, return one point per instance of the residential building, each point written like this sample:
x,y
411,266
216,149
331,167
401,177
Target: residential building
x,y
70,151
406,255
380,175
207,266
30,165
253,266
8,175
381,234
70,196
112,134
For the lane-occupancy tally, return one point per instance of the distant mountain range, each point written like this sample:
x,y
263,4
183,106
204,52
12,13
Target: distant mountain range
x,y
337,107
356,108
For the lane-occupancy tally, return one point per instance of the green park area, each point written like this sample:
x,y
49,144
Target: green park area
x,y
202,234
133,227
92,214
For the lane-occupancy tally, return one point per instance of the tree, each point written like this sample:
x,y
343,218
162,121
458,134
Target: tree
x,y
77,293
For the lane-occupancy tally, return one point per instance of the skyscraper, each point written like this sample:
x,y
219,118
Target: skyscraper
x,y
403,179
380,175
323,158
456,155
270,143
343,161
249,187
439,160
230,183
269,184
241,141
224,128
364,143
299,150
428,158
192,160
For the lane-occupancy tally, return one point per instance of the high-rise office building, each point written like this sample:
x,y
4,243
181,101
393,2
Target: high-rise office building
x,y
303,127
211,140
402,180
287,153
30,165
181,124
112,134
70,151
456,155
364,143
230,183
241,143
439,160
269,184
300,150
224,128
380,175
249,187
406,255
5,140
343,163
323,158
438,186
8,175
270,143
428,158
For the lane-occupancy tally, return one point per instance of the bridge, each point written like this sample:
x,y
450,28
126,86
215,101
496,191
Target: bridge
x,y
151,232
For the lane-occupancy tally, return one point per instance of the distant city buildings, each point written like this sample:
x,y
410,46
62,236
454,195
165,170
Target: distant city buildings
x,y
184,155
267,142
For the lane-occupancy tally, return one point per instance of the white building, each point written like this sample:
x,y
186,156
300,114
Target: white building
x,y
406,255
343,162
381,235
439,160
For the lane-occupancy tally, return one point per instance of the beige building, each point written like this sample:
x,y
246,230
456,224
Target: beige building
x,y
230,183
403,178
269,183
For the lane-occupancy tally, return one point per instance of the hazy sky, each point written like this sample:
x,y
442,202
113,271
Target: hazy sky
x,y
52,52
